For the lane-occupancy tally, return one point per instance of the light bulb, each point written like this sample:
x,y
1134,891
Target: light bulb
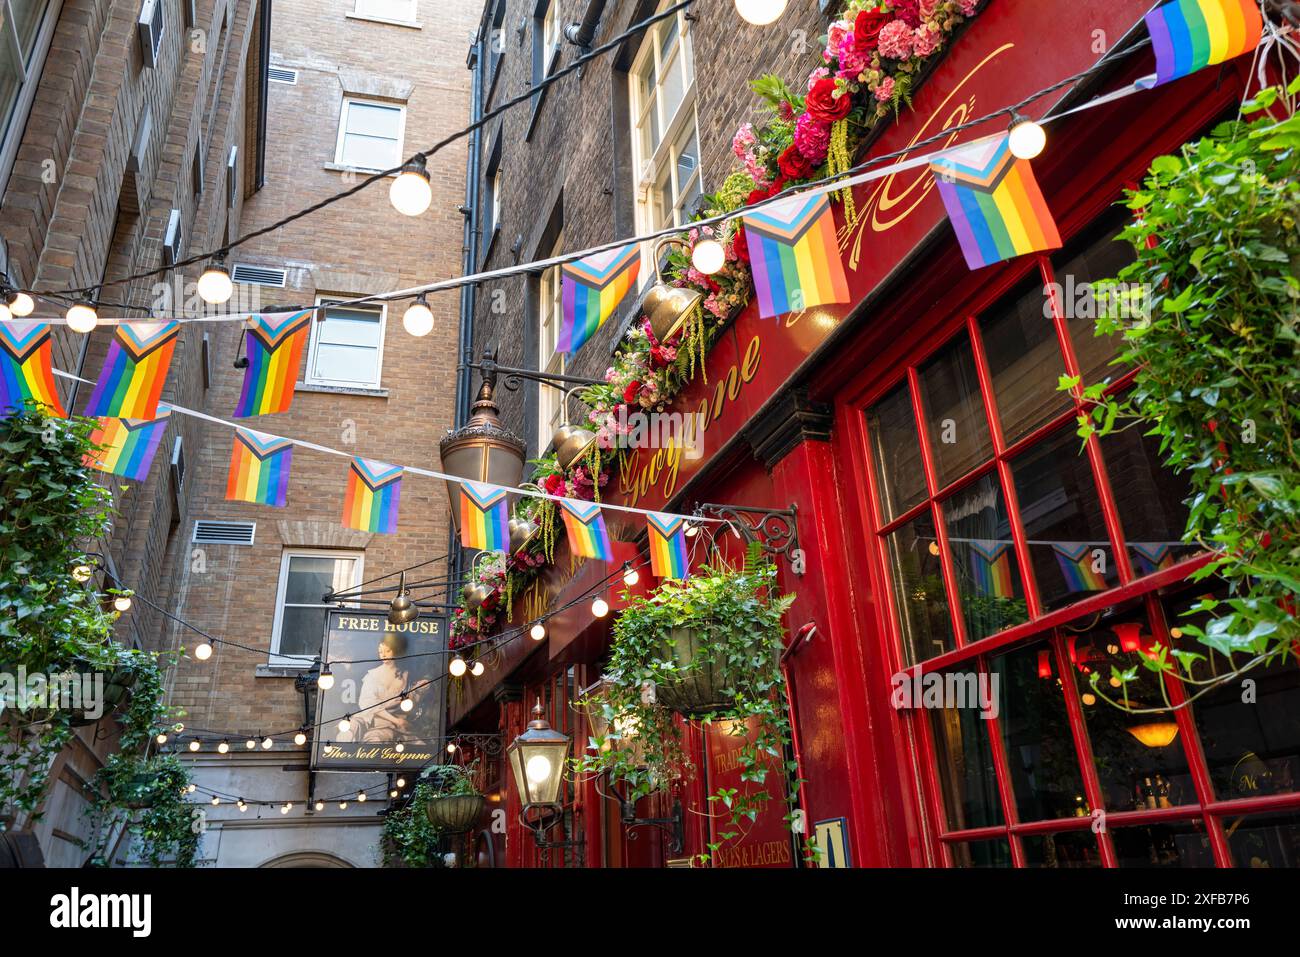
x,y
692,530
1027,139
250,744
82,573
600,608
223,747
538,768
399,747
393,793
178,727
343,805
194,745
215,800
631,577
708,256
407,704
457,666
214,286
242,806
82,317
285,809
5,312
266,743
760,12
451,747
538,632
345,724
320,805
161,738
325,680
418,318
21,305
410,192
300,739
478,669
190,789
401,782
122,602
203,651
361,797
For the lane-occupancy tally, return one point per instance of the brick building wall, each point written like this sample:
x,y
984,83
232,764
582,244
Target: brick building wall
x,y
360,246
571,164
76,211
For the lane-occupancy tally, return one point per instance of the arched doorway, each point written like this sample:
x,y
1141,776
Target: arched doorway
x,y
306,859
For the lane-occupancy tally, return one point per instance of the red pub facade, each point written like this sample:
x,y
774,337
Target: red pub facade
x,y
915,432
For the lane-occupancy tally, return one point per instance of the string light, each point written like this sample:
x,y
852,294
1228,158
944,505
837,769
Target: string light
x,y
82,317
122,603
361,797
266,743
178,727
393,793
285,809
203,651
478,669
760,12
191,788
399,747
215,800
418,318
320,805
1027,138
457,666
82,573
325,680
692,530
223,747
708,256
343,805
411,192
406,703
242,806
214,286
538,631
345,724
401,782
194,745
19,304
630,576
600,608
451,747
250,744
300,738
161,737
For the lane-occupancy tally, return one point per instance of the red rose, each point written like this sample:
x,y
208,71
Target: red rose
x,y
794,165
741,245
629,394
866,31
554,484
823,105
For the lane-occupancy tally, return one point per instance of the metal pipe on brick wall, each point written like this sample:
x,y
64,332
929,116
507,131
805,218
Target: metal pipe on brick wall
x,y
581,34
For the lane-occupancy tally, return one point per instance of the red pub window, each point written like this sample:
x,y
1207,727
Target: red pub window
x,y
1017,555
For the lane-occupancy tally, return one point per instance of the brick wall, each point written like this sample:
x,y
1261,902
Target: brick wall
x,y
577,156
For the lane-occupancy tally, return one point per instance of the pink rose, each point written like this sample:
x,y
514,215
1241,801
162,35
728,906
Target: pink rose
x,y
928,7
835,38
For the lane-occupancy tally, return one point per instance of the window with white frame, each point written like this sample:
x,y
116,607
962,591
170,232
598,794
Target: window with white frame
x,y
550,312
546,39
370,134
665,134
347,346
300,613
399,11
26,27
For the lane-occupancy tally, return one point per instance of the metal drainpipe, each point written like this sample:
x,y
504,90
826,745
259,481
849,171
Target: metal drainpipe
x,y
581,34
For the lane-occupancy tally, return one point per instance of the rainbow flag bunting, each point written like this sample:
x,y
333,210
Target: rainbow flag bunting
x,y
484,517
591,289
1189,35
1152,556
1075,559
374,490
127,446
794,255
994,203
259,469
131,380
274,346
585,524
26,372
991,569
668,557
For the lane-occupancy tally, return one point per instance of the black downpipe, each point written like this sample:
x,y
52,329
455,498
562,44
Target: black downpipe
x,y
581,34
264,56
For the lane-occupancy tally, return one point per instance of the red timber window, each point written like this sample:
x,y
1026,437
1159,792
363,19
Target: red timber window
x,y
1012,553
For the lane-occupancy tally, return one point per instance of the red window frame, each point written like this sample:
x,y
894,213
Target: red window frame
x,y
917,742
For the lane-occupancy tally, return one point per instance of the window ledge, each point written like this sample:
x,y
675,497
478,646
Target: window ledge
x,y
341,389
280,671
411,24
358,170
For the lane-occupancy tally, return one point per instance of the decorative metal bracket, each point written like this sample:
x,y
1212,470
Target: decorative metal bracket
x,y
547,822
674,826
513,378
776,529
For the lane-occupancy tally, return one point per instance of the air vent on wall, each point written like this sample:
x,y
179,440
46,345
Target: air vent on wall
x,y
258,275
279,74
223,533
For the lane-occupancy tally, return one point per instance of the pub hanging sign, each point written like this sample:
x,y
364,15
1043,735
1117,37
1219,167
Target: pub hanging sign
x,y
374,664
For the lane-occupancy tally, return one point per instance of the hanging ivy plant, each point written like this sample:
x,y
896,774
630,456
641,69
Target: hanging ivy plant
x,y
150,792
408,838
1209,313
709,648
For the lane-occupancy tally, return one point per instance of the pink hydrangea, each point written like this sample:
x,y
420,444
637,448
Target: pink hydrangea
x,y
744,140
896,40
820,73
885,90
926,40
812,138
967,7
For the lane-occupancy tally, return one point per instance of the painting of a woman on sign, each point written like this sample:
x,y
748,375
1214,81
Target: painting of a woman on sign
x,y
380,716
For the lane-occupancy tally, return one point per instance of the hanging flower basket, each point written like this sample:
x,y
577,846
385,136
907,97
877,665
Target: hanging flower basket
x,y
700,690
455,813
117,692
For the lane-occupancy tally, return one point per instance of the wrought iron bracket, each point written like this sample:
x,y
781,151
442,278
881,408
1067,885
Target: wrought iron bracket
x,y
776,529
674,826
545,823
512,378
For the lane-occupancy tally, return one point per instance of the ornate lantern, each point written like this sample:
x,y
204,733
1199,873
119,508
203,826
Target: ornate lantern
x,y
537,762
482,450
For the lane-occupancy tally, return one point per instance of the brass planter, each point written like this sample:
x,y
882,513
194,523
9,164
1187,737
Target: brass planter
x,y
455,813
699,690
